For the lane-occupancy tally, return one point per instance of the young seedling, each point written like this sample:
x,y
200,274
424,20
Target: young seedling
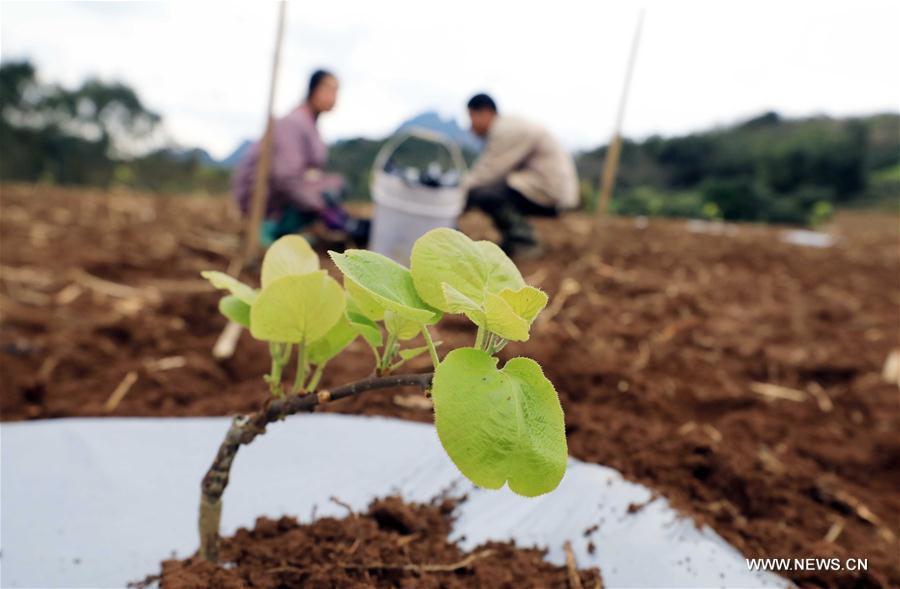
x,y
498,425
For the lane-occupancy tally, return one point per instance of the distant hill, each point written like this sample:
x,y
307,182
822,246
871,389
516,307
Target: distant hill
x,y
237,155
197,154
449,127
353,158
768,168
428,120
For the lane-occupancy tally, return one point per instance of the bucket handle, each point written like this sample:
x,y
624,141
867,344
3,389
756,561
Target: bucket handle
x,y
388,149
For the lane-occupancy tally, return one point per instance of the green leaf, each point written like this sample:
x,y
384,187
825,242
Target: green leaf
x,y
400,326
511,313
386,282
290,255
235,310
456,301
297,308
527,302
365,303
223,281
410,353
500,426
367,329
333,343
457,275
363,325
473,269
501,319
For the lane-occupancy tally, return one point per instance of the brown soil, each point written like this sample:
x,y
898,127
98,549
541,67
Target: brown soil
x,y
657,339
394,544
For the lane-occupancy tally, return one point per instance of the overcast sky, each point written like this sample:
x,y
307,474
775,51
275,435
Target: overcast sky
x,y
205,66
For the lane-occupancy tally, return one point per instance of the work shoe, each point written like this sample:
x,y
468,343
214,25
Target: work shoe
x,y
358,231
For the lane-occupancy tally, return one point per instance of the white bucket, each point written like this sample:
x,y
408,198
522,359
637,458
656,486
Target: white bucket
x,y
405,209
394,231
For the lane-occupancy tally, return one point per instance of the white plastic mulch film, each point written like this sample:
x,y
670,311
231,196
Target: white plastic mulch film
x,y
100,502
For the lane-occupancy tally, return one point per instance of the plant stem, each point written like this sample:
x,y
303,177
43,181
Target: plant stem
x,y
387,353
274,379
315,378
245,428
377,355
286,354
479,338
301,367
431,349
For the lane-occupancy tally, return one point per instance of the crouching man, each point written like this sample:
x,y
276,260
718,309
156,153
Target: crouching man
x,y
523,171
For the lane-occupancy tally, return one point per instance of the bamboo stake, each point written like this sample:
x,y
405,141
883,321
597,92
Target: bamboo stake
x,y
225,345
260,187
611,163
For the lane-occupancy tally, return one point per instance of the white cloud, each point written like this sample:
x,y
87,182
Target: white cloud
x,y
205,66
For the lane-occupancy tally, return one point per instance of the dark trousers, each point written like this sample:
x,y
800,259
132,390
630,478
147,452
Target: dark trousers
x,y
508,209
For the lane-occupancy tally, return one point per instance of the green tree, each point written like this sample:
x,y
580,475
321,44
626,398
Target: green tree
x,y
48,132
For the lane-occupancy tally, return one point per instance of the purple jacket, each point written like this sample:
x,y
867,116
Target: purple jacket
x,y
295,177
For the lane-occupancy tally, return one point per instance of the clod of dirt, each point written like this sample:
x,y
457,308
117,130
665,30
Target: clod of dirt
x,y
394,544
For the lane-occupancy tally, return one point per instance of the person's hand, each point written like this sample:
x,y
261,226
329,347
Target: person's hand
x,y
334,216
